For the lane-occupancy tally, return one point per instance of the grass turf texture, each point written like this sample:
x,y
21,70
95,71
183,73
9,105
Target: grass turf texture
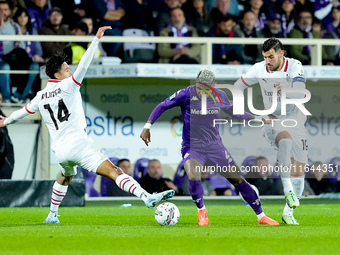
x,y
111,229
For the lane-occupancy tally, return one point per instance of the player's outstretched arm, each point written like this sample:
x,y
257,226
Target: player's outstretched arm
x,y
14,117
85,61
146,134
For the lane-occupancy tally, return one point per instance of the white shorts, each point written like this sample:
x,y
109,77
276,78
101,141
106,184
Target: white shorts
x,y
299,139
80,152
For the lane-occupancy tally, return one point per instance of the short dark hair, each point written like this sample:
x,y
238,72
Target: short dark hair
x,y
272,43
54,64
260,158
153,160
122,160
227,17
9,3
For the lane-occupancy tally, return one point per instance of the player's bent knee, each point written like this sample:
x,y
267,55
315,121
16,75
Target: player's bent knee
x,y
109,170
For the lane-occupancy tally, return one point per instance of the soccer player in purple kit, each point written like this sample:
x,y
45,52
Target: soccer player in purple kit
x,y
202,144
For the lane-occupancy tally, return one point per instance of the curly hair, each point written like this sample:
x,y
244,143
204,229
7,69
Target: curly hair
x,y
54,64
206,76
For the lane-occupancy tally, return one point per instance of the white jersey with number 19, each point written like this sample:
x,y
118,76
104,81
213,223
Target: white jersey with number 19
x,y
61,108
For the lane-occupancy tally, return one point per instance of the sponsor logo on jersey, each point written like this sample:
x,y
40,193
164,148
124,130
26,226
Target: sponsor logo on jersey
x,y
211,111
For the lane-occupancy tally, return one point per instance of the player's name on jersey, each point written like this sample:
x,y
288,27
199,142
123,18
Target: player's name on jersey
x,y
51,93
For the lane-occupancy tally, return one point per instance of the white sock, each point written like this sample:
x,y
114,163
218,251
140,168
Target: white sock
x,y
287,185
58,194
298,184
201,208
128,184
283,156
259,216
287,210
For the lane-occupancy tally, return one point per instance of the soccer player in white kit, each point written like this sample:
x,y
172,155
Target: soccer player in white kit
x,y
273,74
60,106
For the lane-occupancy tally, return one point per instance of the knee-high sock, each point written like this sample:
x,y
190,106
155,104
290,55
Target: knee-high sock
x,y
249,195
58,194
298,184
196,192
284,155
128,184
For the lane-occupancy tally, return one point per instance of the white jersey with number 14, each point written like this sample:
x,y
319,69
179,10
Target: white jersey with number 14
x,y
60,106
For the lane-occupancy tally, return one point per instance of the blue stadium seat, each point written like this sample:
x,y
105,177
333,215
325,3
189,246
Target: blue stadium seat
x,y
141,168
180,175
105,181
89,181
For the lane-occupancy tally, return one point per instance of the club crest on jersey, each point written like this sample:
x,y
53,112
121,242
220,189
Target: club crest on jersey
x,y
288,79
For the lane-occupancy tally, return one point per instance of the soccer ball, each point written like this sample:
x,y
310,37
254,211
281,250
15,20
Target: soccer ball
x,y
167,214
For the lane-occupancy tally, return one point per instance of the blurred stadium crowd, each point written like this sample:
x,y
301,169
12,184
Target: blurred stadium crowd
x,y
320,178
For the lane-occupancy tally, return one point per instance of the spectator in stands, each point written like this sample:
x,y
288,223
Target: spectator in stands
x,y
303,29
317,27
8,27
109,13
18,4
113,190
6,151
333,26
164,17
200,18
179,53
261,179
89,22
34,51
226,53
251,53
317,178
138,15
53,26
273,26
256,6
153,180
221,10
303,5
323,10
75,51
38,11
271,6
288,17
332,52
72,10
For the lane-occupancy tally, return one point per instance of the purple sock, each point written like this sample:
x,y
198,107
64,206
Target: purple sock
x,y
249,194
196,192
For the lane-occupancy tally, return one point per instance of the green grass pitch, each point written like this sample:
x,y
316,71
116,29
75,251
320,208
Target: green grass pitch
x,y
106,228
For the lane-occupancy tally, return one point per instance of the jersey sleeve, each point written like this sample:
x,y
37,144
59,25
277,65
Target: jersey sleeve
x,y
176,99
85,62
297,70
249,78
33,106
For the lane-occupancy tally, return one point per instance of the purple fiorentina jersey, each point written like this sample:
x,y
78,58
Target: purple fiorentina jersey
x,y
198,129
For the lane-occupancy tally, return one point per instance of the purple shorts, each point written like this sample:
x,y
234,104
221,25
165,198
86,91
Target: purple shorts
x,y
209,156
